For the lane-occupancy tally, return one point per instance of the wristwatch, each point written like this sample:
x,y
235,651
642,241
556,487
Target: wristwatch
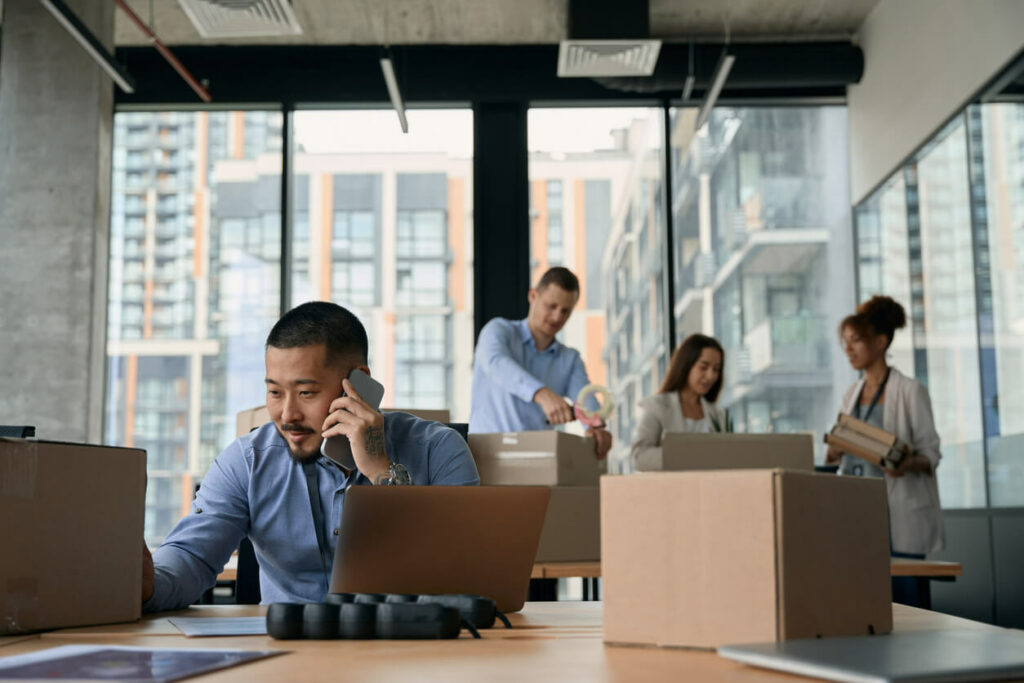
x,y
396,475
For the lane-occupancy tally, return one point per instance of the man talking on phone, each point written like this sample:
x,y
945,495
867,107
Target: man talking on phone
x,y
522,374
274,486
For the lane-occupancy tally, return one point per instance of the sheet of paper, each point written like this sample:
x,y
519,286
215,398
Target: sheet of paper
x,y
112,663
221,626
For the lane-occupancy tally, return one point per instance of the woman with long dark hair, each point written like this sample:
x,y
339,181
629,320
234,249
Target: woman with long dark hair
x,y
685,402
886,398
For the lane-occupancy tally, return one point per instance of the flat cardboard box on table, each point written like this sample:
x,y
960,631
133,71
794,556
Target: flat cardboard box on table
x,y
542,458
71,534
684,451
710,558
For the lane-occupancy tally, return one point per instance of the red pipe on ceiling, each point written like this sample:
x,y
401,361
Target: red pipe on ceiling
x,y
203,93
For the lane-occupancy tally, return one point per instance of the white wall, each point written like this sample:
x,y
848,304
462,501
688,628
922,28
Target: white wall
x,y
923,60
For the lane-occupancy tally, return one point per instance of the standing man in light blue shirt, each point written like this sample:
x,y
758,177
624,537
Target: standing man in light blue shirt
x,y
265,485
522,374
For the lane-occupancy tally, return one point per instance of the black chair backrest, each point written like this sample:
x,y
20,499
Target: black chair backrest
x,y
461,427
17,431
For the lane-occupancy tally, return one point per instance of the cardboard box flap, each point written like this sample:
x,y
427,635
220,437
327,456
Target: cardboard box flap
x,y
819,518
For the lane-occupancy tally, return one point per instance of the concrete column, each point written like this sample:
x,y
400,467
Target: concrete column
x,y
56,120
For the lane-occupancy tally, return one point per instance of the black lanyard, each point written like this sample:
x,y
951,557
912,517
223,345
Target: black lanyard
x,y
318,515
874,401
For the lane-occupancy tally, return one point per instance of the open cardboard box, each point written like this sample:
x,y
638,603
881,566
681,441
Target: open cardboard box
x,y
71,534
709,558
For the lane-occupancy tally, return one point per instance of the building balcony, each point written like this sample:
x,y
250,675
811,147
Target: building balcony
x,y
788,344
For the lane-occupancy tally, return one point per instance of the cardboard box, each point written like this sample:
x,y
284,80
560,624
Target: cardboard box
x,y
251,419
867,441
703,559
693,451
547,458
572,527
71,534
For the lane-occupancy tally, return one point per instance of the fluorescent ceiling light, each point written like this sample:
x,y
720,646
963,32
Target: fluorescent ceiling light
x,y
607,58
388,67
725,63
73,25
688,87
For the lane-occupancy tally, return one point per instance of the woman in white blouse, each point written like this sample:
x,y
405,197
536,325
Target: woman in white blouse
x,y
886,398
685,402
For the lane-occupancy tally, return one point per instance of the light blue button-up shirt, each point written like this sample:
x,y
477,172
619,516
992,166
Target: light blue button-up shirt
x,y
508,371
255,489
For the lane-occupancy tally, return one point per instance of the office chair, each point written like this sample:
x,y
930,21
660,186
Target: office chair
x,y
461,427
247,575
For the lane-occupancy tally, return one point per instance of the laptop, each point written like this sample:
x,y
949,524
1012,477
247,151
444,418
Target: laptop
x,y
696,451
975,655
475,540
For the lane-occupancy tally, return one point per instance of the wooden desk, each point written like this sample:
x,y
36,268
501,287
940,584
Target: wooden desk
x,y
898,567
932,569
592,570
550,641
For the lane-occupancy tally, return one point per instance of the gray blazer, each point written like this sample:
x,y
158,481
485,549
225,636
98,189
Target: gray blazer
x,y
915,515
660,414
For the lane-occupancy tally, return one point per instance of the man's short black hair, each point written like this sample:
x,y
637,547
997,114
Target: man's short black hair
x,y
321,322
563,277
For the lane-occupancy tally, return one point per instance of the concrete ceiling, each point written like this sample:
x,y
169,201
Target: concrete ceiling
x,y
510,22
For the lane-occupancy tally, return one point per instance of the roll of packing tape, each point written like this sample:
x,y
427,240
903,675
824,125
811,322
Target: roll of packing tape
x,y
594,418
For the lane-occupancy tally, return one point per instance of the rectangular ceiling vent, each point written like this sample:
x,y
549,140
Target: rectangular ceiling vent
x,y
608,39
607,58
241,18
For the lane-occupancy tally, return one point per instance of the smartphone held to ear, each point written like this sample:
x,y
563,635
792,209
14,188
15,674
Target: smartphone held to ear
x,y
338,448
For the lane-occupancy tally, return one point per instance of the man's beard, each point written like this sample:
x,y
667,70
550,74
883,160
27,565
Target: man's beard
x,y
300,457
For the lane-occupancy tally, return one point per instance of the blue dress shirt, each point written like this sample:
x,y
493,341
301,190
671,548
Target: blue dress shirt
x,y
508,371
255,489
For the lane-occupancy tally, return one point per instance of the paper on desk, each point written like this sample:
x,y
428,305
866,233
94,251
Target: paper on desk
x,y
220,626
112,662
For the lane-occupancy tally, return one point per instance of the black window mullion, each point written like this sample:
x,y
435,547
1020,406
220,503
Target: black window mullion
x,y
668,239
287,185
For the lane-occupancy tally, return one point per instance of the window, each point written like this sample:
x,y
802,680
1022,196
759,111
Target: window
x,y
193,292
595,177
949,339
354,234
421,234
756,200
399,246
945,233
998,160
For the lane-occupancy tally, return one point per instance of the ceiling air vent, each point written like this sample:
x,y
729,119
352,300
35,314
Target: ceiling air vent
x,y
241,18
605,58
608,38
